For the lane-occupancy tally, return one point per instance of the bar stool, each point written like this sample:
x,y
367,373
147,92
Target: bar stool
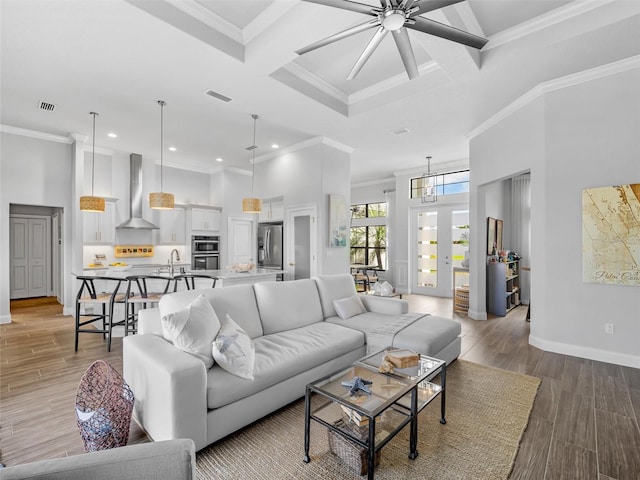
x,y
138,294
190,280
87,295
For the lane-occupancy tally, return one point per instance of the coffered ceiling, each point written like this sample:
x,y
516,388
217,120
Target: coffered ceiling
x,y
118,57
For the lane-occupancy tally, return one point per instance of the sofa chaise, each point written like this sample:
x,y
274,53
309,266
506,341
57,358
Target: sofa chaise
x,y
299,336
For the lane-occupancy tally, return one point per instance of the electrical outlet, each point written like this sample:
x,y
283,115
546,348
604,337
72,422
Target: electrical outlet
x,y
608,328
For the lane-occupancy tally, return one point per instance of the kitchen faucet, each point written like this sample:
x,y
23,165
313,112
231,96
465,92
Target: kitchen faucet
x,y
175,250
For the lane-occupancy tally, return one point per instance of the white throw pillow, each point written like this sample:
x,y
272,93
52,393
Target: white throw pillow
x,y
193,329
349,307
234,350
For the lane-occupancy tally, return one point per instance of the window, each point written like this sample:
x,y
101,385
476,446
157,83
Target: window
x,y
446,184
369,235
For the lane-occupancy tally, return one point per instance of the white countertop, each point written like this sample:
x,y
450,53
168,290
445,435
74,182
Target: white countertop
x,y
124,272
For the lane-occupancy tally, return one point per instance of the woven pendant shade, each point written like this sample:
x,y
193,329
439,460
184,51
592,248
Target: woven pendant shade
x,y
251,205
161,201
92,204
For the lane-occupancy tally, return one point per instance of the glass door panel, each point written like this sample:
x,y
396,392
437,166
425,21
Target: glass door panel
x,y
427,249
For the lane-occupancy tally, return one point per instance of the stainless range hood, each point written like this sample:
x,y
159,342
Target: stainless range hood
x,y
135,200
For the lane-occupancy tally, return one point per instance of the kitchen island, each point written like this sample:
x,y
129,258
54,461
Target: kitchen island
x,y
227,278
224,278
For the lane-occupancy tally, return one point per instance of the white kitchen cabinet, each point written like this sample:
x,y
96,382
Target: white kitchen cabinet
x,y
205,219
173,226
272,210
100,227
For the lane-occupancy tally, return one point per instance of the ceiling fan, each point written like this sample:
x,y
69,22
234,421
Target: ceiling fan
x,y
395,16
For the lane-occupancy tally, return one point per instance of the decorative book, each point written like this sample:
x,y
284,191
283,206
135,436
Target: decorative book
x,y
403,358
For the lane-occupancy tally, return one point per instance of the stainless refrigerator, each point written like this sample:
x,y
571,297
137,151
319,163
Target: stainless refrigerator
x,y
270,245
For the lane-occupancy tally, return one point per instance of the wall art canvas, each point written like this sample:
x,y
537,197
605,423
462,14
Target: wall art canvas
x,y
611,235
337,221
491,236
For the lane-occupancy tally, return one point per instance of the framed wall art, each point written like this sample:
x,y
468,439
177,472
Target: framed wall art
x,y
338,217
491,235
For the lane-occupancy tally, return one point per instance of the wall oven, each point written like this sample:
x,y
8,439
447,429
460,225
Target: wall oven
x,y
205,262
205,252
205,244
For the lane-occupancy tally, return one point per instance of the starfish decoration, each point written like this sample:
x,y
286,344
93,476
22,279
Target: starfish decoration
x,y
357,384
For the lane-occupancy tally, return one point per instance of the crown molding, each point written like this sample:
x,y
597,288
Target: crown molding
x,y
316,82
391,83
440,167
556,84
557,15
266,19
35,134
239,171
372,183
102,151
210,19
306,144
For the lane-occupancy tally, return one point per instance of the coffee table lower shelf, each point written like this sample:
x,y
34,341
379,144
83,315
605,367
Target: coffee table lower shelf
x,y
360,445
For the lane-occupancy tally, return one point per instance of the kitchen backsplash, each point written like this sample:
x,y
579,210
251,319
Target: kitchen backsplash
x,y
161,255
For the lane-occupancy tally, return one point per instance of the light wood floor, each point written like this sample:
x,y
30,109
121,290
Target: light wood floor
x,y
584,424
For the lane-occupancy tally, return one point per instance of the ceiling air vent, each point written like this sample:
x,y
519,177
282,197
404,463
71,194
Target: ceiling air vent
x,y
251,147
217,95
400,131
46,106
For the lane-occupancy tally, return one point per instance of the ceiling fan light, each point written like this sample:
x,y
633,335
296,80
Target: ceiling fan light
x,y
92,204
393,20
251,205
161,201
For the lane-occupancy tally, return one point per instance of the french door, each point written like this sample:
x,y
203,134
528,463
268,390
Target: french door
x,y
439,242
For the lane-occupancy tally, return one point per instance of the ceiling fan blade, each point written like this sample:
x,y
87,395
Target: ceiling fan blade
x,y
348,5
447,32
339,36
406,52
368,50
425,6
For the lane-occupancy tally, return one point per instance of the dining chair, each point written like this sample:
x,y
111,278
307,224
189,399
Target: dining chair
x,y
88,296
190,280
139,295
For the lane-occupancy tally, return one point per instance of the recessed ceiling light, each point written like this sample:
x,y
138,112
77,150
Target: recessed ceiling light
x,y
112,135
218,159
275,145
173,149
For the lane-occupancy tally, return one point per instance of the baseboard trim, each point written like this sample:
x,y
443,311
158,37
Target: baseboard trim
x,y
477,315
585,352
5,318
69,311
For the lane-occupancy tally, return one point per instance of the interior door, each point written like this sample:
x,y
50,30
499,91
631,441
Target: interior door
x,y
301,244
28,262
241,246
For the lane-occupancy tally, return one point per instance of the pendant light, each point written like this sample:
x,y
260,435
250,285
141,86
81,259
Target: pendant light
x,y
429,185
92,204
161,200
252,205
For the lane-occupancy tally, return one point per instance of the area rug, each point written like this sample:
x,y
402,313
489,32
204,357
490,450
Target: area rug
x,y
487,411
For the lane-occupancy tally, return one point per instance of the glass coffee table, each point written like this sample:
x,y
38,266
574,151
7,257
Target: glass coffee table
x,y
370,421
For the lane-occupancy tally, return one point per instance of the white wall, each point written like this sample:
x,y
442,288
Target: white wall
x,y
574,137
32,172
306,176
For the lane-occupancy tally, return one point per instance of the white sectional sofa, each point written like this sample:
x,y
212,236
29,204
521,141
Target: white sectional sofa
x,y
298,338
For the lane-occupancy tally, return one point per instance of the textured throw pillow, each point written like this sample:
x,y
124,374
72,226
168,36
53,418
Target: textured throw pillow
x,y
193,329
234,350
349,307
